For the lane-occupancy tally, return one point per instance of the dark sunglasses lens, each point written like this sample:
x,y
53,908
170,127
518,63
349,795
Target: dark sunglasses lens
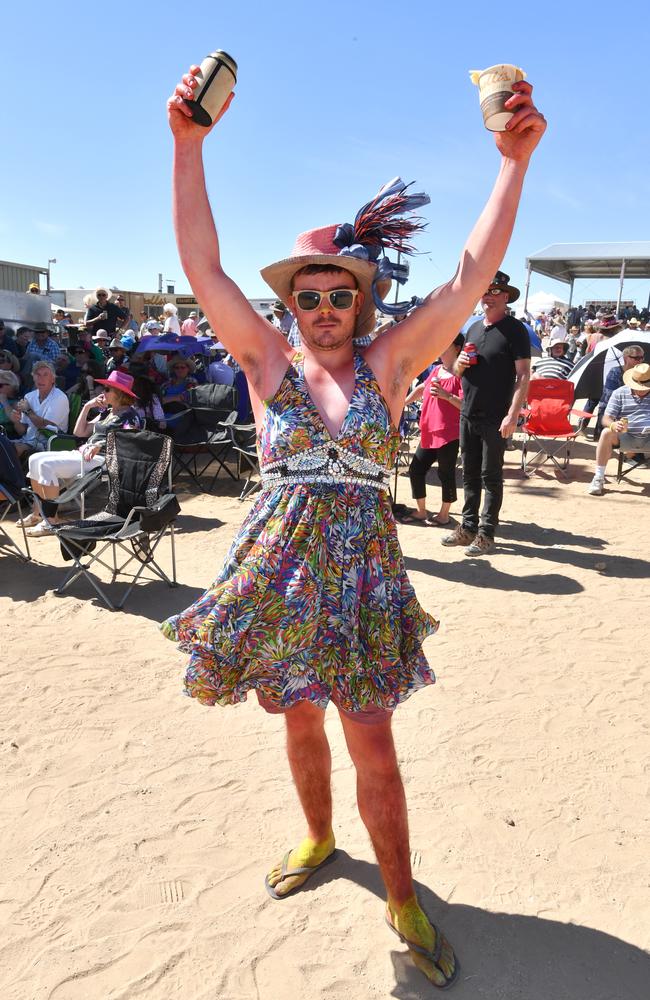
x,y
308,300
342,299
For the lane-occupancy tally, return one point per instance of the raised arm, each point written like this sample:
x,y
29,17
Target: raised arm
x,y
256,344
413,344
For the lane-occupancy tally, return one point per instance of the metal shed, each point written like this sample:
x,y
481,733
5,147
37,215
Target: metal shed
x,y
18,277
568,261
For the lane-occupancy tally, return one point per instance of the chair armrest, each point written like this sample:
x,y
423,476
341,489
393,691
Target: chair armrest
x,y
580,413
156,517
78,487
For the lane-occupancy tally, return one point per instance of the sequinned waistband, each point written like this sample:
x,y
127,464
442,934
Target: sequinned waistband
x,y
329,464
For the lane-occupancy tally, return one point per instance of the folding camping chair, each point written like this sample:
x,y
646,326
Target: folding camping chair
x,y
243,441
12,482
546,428
639,459
137,516
202,430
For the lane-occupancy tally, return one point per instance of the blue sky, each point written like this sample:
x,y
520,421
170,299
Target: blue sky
x,y
332,101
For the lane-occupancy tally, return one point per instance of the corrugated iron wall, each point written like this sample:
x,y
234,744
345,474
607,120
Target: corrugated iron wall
x,y
18,277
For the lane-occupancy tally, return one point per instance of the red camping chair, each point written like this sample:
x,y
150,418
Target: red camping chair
x,y
547,429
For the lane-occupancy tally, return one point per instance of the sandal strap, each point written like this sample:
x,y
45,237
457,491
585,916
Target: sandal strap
x,y
432,954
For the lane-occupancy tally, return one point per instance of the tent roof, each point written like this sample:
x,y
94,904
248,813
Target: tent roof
x,y
566,261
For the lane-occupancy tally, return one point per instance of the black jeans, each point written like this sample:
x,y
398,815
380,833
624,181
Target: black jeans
x,y
422,461
482,449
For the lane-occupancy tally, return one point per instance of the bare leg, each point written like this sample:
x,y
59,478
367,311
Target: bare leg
x,y
443,514
310,761
606,443
382,807
422,507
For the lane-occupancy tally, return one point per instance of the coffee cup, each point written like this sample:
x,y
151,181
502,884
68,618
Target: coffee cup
x,y
495,88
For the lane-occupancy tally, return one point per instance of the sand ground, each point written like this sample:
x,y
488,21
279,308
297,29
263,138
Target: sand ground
x,y
137,826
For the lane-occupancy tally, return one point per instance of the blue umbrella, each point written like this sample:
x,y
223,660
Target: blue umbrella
x,y
174,344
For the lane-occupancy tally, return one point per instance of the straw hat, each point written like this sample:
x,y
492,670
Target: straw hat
x,y
8,378
633,321
316,246
638,377
175,358
359,248
12,359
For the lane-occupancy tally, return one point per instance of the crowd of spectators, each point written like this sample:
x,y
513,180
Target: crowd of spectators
x,y
84,378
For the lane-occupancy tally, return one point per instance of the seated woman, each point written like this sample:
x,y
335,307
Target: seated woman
x,y
149,407
9,395
46,469
181,371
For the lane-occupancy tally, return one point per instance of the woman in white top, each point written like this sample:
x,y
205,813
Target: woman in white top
x,y
171,319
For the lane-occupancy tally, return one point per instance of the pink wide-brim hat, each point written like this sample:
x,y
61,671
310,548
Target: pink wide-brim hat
x,y
119,380
316,246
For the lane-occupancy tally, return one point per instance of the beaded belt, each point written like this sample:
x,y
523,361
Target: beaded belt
x,y
330,464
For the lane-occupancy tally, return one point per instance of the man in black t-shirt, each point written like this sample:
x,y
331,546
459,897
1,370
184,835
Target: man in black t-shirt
x,y
494,389
104,314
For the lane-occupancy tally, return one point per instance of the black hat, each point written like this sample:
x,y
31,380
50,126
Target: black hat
x,y
502,281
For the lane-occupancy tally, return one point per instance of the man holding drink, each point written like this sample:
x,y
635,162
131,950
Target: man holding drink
x,y
495,369
313,604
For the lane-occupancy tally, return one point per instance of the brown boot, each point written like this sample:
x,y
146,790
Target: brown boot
x,y
459,536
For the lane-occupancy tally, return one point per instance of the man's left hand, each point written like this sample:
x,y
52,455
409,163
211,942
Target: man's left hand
x,y
525,128
508,426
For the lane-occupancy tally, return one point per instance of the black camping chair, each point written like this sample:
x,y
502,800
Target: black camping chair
x,y
637,461
140,511
12,483
201,435
243,440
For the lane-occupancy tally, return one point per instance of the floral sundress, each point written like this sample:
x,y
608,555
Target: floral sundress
x,y
313,601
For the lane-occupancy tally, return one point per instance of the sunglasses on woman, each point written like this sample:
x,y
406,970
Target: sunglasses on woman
x,y
338,298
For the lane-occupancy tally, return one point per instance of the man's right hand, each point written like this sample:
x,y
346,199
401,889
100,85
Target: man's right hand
x,y
179,115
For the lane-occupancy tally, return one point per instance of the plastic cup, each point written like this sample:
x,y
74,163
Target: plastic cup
x,y
495,88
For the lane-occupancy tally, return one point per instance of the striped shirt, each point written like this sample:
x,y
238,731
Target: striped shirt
x,y
623,403
552,368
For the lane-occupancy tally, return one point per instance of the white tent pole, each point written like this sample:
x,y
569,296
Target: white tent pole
x,y
527,286
571,293
620,287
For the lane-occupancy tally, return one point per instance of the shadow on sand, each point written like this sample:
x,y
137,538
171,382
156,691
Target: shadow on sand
x,y
479,572
151,599
505,956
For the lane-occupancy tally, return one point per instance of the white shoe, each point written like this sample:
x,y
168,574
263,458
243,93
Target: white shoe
x,y
41,529
29,521
596,487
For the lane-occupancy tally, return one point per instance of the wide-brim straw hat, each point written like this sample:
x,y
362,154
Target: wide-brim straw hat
x,y
316,246
638,377
175,358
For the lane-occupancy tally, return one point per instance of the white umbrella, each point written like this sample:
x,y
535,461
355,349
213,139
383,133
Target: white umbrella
x,y
614,347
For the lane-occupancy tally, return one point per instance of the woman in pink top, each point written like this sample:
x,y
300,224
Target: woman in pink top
x,y
441,396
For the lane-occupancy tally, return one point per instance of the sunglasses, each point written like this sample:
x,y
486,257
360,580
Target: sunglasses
x,y
495,290
338,298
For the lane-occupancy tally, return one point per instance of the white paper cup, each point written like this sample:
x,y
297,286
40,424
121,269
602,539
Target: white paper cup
x,y
495,87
